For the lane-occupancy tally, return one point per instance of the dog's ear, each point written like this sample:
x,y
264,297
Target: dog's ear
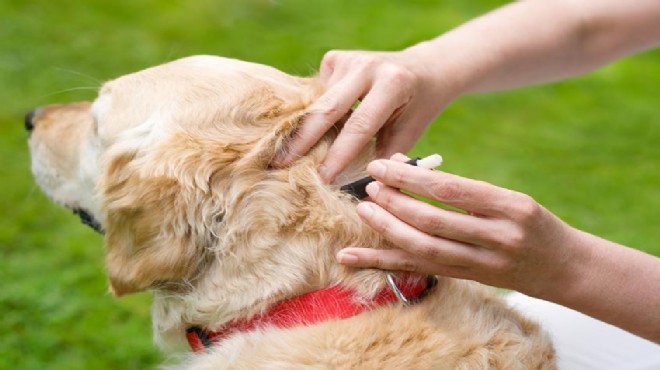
x,y
155,204
277,120
285,127
148,240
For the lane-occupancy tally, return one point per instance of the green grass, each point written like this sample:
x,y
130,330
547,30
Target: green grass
x,y
587,149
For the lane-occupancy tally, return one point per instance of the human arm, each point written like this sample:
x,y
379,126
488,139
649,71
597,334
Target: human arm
x,y
523,43
536,41
506,240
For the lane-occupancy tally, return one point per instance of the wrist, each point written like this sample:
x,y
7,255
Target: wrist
x,y
612,283
438,70
572,275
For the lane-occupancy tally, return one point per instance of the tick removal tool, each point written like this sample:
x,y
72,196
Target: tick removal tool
x,y
358,188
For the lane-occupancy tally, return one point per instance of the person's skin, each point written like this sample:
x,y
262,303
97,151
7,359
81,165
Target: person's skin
x,y
505,239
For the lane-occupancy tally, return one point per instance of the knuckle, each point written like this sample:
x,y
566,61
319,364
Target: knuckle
x,y
515,239
380,262
385,199
328,64
396,175
445,190
359,124
357,62
407,264
430,222
327,108
426,250
525,208
397,75
330,57
366,60
382,226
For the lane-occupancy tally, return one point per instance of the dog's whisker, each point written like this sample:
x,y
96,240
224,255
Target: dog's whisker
x,y
98,81
29,194
93,88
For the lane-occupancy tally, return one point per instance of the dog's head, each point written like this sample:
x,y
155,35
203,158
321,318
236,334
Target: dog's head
x,y
172,163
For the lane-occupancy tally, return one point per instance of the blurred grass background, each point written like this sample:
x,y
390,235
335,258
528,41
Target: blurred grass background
x,y
587,149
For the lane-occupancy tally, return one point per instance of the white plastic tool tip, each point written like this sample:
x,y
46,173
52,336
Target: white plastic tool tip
x,y
430,162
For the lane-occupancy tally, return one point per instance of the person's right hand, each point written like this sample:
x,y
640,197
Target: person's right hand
x,y
503,238
398,98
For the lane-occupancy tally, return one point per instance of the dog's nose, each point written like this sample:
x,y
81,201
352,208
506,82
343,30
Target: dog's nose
x,y
29,120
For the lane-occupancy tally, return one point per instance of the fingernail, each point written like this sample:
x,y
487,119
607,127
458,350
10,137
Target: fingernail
x,y
373,189
365,209
399,157
346,258
376,168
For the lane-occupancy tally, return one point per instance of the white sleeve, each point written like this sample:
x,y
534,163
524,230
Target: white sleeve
x,y
585,343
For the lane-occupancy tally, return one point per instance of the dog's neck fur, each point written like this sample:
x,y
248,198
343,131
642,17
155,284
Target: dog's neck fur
x,y
267,254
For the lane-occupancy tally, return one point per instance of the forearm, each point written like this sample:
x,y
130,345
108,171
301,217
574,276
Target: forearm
x,y
613,283
536,41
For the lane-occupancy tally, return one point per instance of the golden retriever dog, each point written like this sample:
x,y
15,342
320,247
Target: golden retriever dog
x,y
172,165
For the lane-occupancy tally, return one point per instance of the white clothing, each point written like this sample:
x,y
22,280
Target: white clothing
x,y
584,343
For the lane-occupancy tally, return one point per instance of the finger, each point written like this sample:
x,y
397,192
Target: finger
x,y
324,113
399,157
415,241
336,65
328,65
433,220
467,194
375,109
396,260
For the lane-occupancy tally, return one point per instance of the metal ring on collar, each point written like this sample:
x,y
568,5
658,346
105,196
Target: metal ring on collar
x,y
431,281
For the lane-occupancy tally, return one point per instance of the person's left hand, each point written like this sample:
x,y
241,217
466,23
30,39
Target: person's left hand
x,y
399,96
505,239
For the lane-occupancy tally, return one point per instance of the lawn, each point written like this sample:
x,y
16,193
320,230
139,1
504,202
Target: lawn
x,y
587,149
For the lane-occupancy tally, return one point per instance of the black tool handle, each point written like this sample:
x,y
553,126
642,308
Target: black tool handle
x,y
359,188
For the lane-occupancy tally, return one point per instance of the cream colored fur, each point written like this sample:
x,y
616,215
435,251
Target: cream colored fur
x,y
174,161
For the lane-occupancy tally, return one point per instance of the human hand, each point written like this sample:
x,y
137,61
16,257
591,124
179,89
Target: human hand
x,y
399,98
506,239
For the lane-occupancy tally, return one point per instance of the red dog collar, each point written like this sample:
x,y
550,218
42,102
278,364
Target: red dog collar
x,y
332,303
